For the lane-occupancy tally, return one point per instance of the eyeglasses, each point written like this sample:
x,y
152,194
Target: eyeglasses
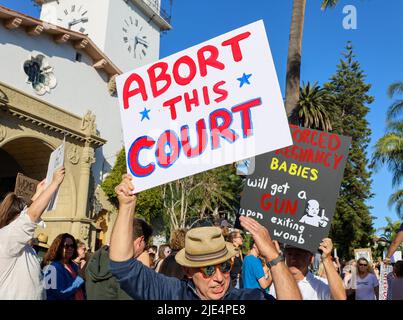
x,y
362,264
66,245
209,271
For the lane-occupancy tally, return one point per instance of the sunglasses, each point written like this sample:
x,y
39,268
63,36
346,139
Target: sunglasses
x,y
209,271
66,246
362,264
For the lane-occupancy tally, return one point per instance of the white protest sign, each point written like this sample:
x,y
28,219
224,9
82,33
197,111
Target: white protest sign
x,y
56,160
383,281
212,104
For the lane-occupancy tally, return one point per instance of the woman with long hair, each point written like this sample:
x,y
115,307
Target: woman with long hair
x,y
20,272
163,252
63,278
367,287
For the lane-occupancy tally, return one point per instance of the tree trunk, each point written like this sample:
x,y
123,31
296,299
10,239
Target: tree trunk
x,y
294,59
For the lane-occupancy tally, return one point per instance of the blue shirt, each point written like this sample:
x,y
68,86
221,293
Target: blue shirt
x,y
252,271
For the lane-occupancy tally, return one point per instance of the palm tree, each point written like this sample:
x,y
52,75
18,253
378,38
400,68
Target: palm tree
x,y
313,105
294,55
389,148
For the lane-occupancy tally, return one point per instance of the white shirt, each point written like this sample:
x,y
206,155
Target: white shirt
x,y
311,288
20,272
365,287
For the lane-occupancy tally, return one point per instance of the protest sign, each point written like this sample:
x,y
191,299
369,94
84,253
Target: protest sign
x,y
383,280
397,256
25,187
293,191
363,253
212,104
56,160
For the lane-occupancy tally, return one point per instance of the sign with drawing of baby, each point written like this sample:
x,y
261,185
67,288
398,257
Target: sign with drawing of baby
x,y
293,191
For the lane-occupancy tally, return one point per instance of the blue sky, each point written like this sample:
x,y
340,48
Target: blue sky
x,y
377,41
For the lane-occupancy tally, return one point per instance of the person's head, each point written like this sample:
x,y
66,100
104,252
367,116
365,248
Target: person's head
x,y
298,259
152,250
142,232
312,208
164,251
398,269
207,260
63,248
363,266
235,238
177,241
81,249
254,249
10,208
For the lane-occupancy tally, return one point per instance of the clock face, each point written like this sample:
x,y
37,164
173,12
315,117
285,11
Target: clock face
x,y
134,38
74,17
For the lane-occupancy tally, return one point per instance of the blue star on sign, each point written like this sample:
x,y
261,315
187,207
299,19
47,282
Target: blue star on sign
x,y
244,79
144,114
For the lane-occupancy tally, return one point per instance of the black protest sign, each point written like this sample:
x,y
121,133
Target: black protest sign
x,y
25,187
293,191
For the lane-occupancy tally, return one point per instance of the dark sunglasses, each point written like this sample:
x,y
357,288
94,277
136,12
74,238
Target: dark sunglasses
x,y
66,246
362,264
225,267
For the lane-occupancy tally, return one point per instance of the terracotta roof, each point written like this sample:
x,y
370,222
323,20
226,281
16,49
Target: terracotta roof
x,y
34,27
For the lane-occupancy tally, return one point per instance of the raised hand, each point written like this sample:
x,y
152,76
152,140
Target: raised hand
x,y
58,176
326,246
261,237
125,191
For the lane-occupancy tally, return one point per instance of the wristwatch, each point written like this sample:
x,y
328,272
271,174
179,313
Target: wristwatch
x,y
273,262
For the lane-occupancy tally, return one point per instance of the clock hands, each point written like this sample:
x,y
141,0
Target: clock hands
x,y
74,22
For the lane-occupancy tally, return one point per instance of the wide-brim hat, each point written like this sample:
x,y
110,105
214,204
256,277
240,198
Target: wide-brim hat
x,y
42,241
205,246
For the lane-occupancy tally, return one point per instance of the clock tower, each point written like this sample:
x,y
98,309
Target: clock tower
x,y
127,31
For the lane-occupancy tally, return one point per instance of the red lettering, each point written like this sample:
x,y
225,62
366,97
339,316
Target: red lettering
x,y
191,101
162,76
135,167
334,138
165,159
221,130
201,139
183,81
222,92
171,104
128,93
206,96
234,43
244,108
210,61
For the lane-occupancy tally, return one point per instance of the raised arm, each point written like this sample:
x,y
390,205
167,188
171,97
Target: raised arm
x,y
121,247
334,280
44,195
286,287
394,245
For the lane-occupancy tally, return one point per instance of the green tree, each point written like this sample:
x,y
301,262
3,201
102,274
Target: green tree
x,y
352,223
313,105
293,74
389,148
149,202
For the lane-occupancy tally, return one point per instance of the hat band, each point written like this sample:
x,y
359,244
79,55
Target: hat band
x,y
207,256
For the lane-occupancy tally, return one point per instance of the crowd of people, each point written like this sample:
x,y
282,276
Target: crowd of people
x,y
201,263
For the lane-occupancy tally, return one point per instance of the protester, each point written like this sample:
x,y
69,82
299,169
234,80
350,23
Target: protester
x,y
206,259
311,286
236,239
397,282
397,241
20,271
163,252
367,283
253,274
100,283
169,266
81,254
64,280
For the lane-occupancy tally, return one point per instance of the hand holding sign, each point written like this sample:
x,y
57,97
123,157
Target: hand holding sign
x,y
125,190
326,246
261,237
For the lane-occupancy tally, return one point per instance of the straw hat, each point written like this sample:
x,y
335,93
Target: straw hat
x,y
42,241
205,246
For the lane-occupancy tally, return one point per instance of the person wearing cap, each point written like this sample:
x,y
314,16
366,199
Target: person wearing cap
x,y
206,259
313,287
